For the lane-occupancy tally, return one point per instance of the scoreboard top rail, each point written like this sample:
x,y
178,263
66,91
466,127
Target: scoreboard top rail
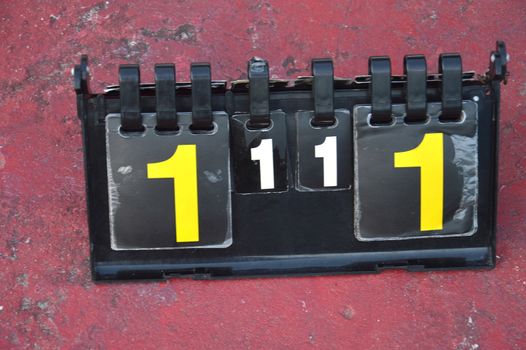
x,y
319,175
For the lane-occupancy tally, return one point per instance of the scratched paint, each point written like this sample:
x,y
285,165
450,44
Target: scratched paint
x,y
43,229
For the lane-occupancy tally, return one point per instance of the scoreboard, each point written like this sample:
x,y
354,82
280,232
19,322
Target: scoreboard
x,y
275,177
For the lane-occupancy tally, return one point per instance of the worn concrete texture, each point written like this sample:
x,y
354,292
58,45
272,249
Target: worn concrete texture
x,y
47,299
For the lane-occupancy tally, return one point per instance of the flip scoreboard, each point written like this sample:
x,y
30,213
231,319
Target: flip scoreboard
x,y
275,177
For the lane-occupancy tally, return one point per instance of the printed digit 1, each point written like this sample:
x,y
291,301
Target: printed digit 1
x,y
429,157
328,151
263,153
182,168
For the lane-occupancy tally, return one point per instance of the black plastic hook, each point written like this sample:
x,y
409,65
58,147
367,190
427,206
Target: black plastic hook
x,y
130,97
165,97
258,91
380,89
450,66
201,78
415,70
323,91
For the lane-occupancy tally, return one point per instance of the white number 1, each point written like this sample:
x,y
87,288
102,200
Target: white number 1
x,y
328,151
264,154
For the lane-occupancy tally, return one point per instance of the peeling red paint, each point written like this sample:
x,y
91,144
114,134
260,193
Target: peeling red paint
x,y
46,297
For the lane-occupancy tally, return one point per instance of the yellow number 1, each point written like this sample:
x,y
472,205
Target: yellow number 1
x,y
429,157
182,168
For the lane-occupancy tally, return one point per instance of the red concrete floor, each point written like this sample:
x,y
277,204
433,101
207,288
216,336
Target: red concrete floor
x,y
47,299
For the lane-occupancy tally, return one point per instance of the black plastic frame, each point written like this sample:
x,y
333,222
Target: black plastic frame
x,y
252,256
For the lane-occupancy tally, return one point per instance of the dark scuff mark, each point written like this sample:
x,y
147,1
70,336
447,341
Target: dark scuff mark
x,y
347,313
52,20
131,49
114,300
22,280
12,246
352,28
25,304
411,41
43,304
290,63
88,16
186,33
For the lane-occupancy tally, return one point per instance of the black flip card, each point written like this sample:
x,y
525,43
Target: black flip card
x,y
415,180
169,190
324,159
259,154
